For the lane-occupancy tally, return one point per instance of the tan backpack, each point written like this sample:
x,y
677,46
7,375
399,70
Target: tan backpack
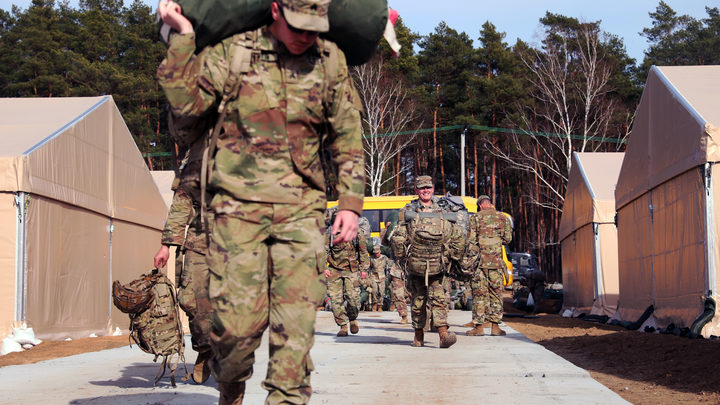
x,y
155,325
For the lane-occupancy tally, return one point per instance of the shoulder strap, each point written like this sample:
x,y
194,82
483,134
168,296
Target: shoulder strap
x,y
241,53
332,61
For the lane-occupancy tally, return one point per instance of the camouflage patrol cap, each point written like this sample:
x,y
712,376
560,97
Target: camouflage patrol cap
x,y
483,197
423,181
310,15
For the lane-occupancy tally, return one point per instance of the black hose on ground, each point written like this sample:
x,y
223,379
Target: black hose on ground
x,y
703,319
635,325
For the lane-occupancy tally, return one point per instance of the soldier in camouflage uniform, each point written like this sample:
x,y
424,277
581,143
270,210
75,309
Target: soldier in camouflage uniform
x,y
266,253
345,260
397,290
192,274
426,263
379,265
489,229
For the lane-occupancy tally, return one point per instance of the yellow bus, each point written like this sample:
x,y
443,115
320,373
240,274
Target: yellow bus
x,y
379,210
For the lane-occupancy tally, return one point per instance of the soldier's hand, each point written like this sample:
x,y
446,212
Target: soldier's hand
x,y
171,14
327,273
346,223
161,257
363,274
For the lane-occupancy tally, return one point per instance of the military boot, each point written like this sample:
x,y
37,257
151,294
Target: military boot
x,y
231,393
343,330
447,339
391,308
419,339
379,308
201,370
477,330
496,331
354,327
404,320
470,324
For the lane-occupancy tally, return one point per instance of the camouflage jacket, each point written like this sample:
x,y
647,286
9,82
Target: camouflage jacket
x,y
351,256
379,266
185,207
490,229
181,214
269,149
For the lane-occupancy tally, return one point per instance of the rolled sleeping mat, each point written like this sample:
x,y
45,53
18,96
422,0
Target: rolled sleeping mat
x,y
356,26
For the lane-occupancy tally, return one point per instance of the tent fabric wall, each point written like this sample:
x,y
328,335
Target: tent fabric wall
x,y
635,273
8,218
67,270
579,271
79,164
679,259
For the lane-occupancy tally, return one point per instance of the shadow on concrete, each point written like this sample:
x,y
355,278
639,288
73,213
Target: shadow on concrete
x,y
159,398
373,340
142,375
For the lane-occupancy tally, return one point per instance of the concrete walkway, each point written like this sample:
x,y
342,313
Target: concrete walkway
x,y
377,366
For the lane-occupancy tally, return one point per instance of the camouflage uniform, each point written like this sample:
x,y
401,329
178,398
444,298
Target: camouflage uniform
x,y
397,289
345,260
379,265
427,289
489,229
193,275
266,251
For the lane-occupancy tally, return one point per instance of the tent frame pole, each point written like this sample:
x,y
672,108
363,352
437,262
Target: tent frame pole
x,y
710,239
21,198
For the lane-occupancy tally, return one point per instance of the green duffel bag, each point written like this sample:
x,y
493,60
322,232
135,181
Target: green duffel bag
x,y
356,26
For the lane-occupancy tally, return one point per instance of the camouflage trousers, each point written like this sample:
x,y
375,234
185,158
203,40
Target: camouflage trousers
x,y
487,286
193,298
344,287
397,295
432,295
378,287
265,264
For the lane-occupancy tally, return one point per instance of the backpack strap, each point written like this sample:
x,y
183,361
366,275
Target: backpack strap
x,y
241,53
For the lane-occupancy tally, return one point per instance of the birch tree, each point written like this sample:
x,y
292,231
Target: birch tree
x,y
575,106
388,110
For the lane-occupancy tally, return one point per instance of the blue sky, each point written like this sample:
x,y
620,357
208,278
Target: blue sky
x,y
519,18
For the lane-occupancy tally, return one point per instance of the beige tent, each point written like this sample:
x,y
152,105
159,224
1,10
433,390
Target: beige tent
x,y
79,209
588,235
665,198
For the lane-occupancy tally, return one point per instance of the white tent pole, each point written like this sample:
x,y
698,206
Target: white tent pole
x,y
111,229
711,279
599,290
20,256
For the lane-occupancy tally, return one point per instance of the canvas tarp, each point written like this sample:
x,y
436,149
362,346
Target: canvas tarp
x,y
666,213
588,234
87,192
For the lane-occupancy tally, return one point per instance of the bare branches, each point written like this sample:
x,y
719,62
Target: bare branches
x,y
387,110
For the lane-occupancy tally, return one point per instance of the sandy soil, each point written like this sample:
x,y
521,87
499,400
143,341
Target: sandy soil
x,y
643,368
